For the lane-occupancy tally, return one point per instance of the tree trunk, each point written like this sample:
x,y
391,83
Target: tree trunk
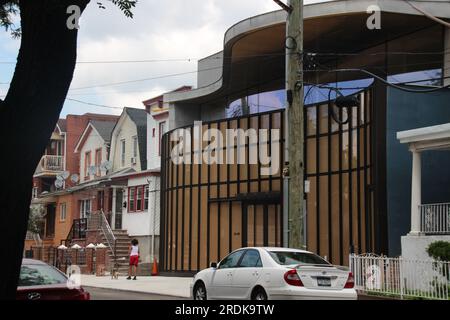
x,y
28,116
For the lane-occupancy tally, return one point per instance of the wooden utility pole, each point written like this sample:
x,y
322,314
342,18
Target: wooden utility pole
x,y
295,122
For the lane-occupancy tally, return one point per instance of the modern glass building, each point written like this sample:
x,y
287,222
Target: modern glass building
x,y
357,173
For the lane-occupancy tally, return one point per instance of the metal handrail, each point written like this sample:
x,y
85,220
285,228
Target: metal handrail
x,y
109,235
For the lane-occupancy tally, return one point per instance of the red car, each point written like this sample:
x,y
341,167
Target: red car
x,y
39,281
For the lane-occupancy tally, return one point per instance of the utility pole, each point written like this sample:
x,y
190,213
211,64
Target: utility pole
x,y
295,124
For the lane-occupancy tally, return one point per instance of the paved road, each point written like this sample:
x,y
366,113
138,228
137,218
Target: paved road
x,y
108,294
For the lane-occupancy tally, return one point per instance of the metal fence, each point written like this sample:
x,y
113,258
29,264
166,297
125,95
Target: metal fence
x,y
402,278
435,218
45,254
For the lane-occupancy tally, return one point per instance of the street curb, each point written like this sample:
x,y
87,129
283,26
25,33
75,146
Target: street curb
x,y
136,291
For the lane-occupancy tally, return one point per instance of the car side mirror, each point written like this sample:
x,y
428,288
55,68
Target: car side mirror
x,y
213,265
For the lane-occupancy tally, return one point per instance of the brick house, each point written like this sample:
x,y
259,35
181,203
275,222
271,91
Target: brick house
x,y
59,161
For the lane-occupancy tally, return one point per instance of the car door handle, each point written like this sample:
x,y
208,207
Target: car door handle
x,y
256,273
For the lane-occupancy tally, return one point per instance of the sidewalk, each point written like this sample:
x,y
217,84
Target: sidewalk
x,y
170,286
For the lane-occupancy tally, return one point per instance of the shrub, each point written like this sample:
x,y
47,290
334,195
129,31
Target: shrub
x,y
439,250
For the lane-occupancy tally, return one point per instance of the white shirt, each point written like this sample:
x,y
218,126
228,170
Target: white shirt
x,y
134,251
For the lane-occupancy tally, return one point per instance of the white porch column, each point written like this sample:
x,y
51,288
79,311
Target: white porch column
x,y
113,209
416,193
447,56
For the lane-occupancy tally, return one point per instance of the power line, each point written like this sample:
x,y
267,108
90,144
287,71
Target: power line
x,y
246,56
93,104
145,79
397,86
224,58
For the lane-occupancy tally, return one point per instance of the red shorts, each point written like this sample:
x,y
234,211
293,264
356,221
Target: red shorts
x,y
134,261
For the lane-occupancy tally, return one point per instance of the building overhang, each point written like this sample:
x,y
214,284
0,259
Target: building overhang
x,y
253,59
429,138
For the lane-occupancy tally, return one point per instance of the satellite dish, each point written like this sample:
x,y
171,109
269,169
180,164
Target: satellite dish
x,y
75,178
59,178
92,170
65,174
59,183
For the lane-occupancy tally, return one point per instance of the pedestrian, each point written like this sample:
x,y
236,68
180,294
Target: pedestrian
x,y
134,259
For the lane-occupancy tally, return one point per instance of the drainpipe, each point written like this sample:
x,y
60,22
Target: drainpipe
x,y
113,209
153,182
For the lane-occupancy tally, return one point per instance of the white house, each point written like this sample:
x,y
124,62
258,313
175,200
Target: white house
x,y
157,124
93,147
129,141
137,208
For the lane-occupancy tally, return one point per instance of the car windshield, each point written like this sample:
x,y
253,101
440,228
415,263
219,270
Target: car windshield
x,y
286,258
39,275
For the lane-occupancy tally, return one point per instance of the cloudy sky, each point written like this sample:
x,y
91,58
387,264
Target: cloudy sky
x,y
160,30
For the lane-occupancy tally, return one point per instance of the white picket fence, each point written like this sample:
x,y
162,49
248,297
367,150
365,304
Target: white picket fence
x,y
402,278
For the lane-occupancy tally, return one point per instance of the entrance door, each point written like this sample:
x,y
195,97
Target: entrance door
x,y
119,208
50,221
262,225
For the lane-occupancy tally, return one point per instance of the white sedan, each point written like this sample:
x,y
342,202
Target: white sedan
x,y
273,274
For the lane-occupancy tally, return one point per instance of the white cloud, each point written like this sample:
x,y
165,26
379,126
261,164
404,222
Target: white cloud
x,y
159,30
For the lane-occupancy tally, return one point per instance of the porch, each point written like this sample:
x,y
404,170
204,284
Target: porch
x,y
429,222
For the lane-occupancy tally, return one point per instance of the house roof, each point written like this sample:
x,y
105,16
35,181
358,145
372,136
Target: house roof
x,y
62,125
102,128
139,117
161,97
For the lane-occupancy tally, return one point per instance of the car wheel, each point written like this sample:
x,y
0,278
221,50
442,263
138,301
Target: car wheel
x,y
259,294
200,292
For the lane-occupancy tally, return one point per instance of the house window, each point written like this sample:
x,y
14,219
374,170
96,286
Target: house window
x,y
139,198
35,192
85,208
87,164
135,146
62,212
122,152
98,161
146,193
131,199
162,130
154,132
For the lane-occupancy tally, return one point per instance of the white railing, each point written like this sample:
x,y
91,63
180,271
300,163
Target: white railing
x,y
435,218
401,278
51,163
98,221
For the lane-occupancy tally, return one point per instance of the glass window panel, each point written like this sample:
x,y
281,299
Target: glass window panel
x,y
323,154
311,162
345,151
323,220
335,152
323,118
311,205
311,121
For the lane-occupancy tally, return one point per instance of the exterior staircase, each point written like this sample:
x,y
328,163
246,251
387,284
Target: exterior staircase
x,y
123,241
